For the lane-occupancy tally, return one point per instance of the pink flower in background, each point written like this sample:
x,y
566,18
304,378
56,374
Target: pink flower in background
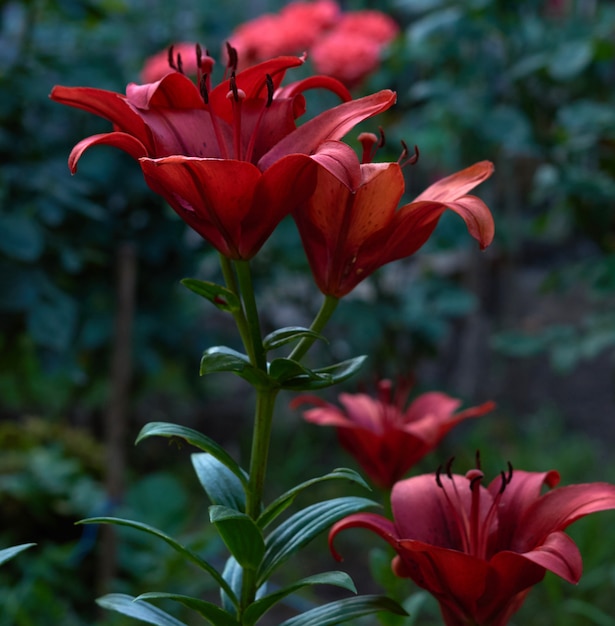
x,y
292,31
348,57
383,436
158,66
345,45
479,550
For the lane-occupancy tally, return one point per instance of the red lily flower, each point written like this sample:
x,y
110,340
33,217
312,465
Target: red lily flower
x,y
183,133
385,439
351,225
479,550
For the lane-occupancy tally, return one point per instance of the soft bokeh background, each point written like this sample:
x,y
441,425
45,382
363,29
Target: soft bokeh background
x,y
97,336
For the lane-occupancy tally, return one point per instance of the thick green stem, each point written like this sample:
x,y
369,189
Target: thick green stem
x,y
322,317
239,316
251,311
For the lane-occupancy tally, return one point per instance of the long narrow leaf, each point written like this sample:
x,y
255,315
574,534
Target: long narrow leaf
x,y
242,536
212,613
218,295
345,610
127,605
303,526
9,553
255,611
178,547
195,438
286,499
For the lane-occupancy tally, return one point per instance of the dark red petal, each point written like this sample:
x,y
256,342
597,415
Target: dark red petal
x,y
331,124
523,490
108,105
458,184
558,509
123,141
421,511
212,196
173,91
560,555
370,521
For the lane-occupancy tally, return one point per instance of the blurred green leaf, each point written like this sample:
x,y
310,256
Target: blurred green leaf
x,y
22,238
144,612
223,359
283,336
570,58
8,553
221,297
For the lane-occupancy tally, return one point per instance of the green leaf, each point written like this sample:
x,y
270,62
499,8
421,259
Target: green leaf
x,y
345,610
286,499
195,438
218,295
283,336
127,605
9,553
570,59
286,369
220,484
325,376
257,609
178,547
223,359
233,575
241,535
211,612
303,526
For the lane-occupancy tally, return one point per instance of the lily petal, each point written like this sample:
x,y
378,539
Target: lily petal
x,y
123,141
371,521
331,124
559,508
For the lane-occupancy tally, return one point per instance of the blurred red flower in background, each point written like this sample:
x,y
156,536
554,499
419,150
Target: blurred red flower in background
x,y
479,550
384,437
346,45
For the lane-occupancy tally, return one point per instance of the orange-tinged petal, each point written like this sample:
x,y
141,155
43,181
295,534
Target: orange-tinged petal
x,y
456,185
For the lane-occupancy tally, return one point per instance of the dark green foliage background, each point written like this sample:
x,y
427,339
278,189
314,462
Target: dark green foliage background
x,y
515,83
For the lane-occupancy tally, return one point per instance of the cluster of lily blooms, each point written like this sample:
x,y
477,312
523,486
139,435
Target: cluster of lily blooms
x,y
232,162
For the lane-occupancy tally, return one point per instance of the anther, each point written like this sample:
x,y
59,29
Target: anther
x,y
203,89
438,479
170,58
449,464
199,55
475,480
232,57
404,159
503,483
477,458
235,93
270,89
510,472
180,63
382,140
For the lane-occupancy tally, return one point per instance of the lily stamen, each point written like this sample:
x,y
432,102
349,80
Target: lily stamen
x,y
403,157
233,60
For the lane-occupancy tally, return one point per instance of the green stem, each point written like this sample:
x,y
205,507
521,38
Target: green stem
x,y
322,317
251,311
239,316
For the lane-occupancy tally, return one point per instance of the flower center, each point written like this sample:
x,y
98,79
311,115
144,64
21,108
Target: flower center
x,y
474,520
